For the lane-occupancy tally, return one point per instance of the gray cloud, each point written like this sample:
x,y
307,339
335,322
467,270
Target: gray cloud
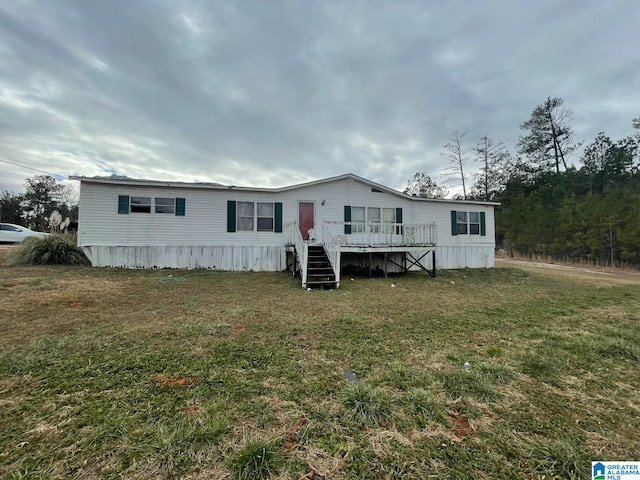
x,y
272,93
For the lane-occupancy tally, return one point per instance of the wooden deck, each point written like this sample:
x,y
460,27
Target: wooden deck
x,y
403,245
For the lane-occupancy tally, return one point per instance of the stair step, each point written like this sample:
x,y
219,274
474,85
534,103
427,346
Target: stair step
x,y
320,273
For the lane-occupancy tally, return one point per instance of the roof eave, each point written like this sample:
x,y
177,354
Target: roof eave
x,y
215,186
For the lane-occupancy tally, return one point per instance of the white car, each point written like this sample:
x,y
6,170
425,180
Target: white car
x,y
10,233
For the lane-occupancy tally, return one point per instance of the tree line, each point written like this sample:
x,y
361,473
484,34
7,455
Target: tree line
x,y
548,206
42,196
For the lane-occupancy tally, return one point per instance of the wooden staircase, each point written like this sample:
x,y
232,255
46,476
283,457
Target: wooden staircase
x,y
320,274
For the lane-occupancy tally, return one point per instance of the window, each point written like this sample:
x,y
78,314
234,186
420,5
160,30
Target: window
x,y
474,223
172,206
258,216
254,216
388,217
378,220
265,217
245,216
468,223
357,219
165,205
140,204
373,214
462,223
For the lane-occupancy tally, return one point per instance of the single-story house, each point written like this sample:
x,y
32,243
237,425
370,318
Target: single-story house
x,y
315,229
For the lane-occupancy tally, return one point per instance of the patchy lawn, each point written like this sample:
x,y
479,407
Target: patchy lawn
x,y
138,374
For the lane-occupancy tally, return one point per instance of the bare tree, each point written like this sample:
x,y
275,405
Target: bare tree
x,y
490,156
457,156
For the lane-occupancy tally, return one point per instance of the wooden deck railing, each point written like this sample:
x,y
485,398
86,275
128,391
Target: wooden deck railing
x,y
383,234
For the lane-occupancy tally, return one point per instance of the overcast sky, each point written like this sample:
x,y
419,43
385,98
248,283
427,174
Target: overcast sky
x,y
269,93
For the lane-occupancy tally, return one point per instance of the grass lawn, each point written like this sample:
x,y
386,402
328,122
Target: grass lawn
x,y
134,374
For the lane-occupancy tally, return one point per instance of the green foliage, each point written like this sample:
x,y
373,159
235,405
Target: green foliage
x,y
578,215
11,209
60,249
421,185
42,194
255,460
550,137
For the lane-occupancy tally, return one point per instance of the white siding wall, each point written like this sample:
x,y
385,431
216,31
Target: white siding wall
x,y
203,229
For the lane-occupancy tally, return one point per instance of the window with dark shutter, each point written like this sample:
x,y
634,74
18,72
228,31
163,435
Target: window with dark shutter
x,y
180,207
278,217
123,204
347,219
231,216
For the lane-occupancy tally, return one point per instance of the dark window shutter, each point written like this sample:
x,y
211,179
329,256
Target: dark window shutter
x,y
180,207
123,204
231,216
454,222
398,220
347,218
278,217
483,224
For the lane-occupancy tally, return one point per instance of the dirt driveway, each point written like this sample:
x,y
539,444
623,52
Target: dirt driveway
x,y
588,274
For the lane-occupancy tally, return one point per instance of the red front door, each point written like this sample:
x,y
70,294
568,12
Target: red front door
x,y
305,217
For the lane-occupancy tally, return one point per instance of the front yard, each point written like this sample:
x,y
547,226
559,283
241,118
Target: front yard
x,y
174,374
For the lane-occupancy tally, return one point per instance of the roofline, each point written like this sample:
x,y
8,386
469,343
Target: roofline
x,y
217,186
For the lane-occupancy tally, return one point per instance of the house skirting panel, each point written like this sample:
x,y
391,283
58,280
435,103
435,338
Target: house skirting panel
x,y
228,258
465,256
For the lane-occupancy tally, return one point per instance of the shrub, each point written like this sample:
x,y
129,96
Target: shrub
x,y
58,249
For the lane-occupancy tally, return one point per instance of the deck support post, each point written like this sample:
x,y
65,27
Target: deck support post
x,y
433,263
384,265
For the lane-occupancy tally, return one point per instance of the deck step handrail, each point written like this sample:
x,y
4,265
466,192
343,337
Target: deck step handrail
x,y
293,236
332,249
